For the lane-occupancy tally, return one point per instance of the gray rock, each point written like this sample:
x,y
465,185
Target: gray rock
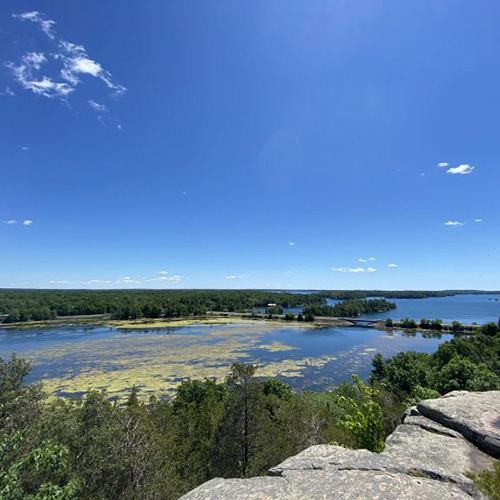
x,y
336,458
256,488
322,485
431,426
476,415
436,450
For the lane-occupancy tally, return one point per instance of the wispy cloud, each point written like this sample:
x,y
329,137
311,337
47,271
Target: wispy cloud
x,y
460,170
291,243
349,269
10,221
74,63
370,269
164,279
454,223
25,148
27,222
233,276
372,258
127,281
392,265
363,260
7,92
46,25
443,164
24,74
162,272
478,220
100,108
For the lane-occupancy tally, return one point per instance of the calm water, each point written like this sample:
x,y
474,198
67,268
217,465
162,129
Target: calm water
x,y
305,358
331,354
466,309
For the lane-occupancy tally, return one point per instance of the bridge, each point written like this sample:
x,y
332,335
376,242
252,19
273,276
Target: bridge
x,y
363,322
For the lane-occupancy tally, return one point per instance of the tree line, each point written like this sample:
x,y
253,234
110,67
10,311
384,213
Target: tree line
x,y
35,305
350,308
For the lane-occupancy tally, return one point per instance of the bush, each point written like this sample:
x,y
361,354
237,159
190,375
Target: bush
x,y
488,482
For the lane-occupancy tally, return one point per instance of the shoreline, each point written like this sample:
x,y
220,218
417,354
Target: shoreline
x,y
220,318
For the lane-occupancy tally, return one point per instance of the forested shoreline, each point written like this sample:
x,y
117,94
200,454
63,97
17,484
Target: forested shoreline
x,y
38,305
93,448
350,308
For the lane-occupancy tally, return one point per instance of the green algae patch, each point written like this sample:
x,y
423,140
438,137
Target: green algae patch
x,y
144,324
156,363
277,346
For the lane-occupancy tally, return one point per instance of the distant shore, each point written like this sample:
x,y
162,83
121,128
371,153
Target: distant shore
x,y
214,318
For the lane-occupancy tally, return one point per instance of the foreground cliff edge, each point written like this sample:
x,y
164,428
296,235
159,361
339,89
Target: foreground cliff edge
x,y
426,457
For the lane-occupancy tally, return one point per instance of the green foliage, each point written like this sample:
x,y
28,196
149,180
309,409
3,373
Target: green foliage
x,y
419,394
350,308
488,482
36,305
34,474
407,323
363,418
464,363
277,388
491,329
389,323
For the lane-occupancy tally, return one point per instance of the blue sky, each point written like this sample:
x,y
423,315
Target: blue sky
x,y
231,144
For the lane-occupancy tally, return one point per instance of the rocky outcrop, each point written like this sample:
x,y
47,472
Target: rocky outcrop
x,y
426,457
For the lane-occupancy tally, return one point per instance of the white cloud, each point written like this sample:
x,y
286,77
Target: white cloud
x,y
422,175
443,164
162,272
291,243
8,92
25,148
392,265
454,223
38,17
362,260
100,108
372,258
232,277
349,269
127,280
24,74
478,220
74,62
461,169
165,279
27,222
10,221
370,270
60,282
